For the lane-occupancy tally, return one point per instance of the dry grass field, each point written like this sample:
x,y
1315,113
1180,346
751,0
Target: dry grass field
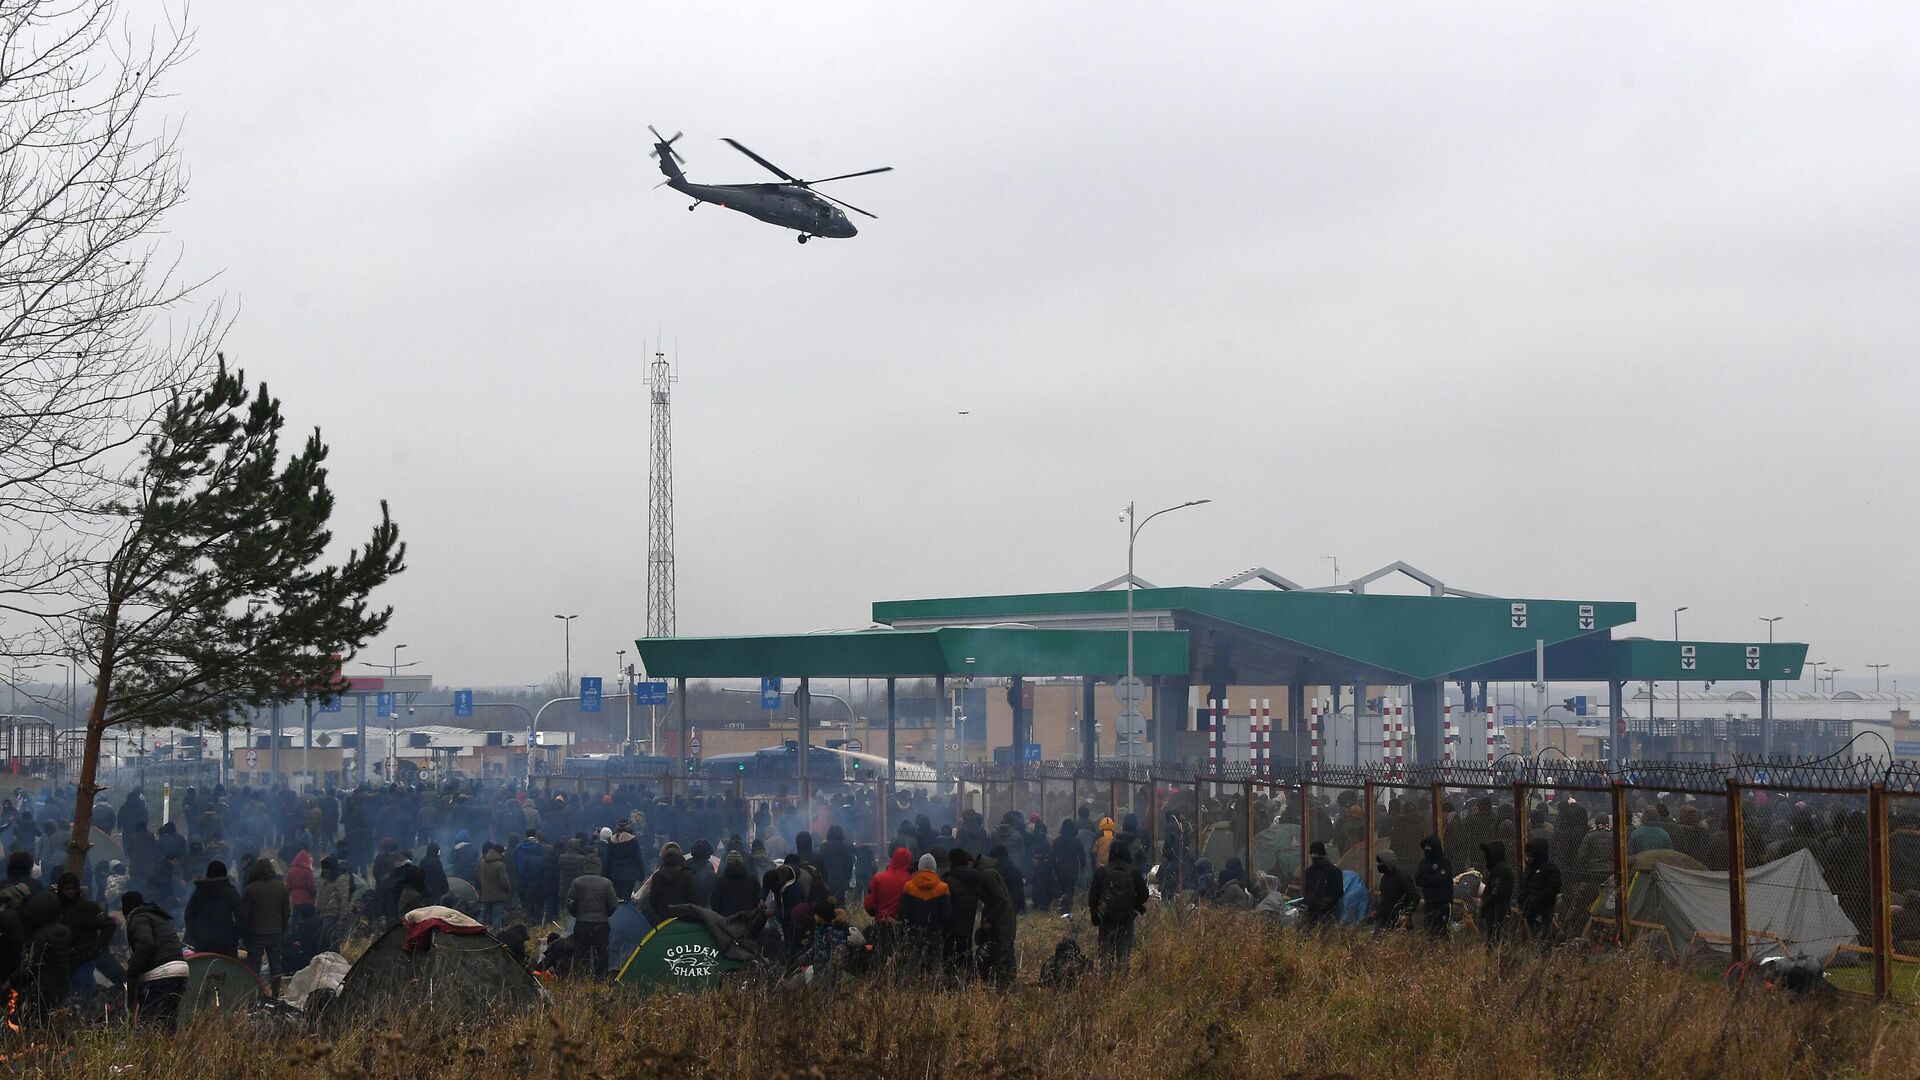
x,y
1210,994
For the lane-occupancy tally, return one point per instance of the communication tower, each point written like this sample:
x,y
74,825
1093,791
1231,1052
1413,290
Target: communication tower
x,y
660,614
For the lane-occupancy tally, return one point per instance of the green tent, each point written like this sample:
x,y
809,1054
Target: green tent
x,y
463,975
679,954
217,982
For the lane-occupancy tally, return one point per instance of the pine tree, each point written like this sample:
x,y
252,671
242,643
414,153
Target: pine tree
x,y
212,599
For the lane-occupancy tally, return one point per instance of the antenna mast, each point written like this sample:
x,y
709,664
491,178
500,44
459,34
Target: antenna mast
x,y
660,613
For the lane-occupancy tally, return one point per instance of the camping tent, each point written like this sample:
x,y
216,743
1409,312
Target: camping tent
x,y
1787,898
467,974
626,929
679,954
219,983
102,848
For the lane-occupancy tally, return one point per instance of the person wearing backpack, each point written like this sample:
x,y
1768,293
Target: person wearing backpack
x,y
964,890
1116,897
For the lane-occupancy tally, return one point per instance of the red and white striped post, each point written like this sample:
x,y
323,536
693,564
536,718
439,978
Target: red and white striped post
x,y
1446,735
1314,721
1399,734
1489,734
1386,733
1265,761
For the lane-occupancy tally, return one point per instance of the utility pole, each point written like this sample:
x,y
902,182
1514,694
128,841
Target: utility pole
x,y
1876,675
566,673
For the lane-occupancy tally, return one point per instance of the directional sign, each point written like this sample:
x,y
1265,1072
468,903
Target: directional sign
x,y
1753,658
1519,616
1689,660
650,693
463,703
331,704
1030,751
770,694
1586,616
589,693
1131,690
383,705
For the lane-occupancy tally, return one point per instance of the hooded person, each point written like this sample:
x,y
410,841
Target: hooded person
x,y
435,871
700,866
45,964
89,930
836,862
1103,843
1399,899
1539,893
463,861
735,891
926,906
963,888
1067,859
1014,877
156,975
671,884
213,921
1434,878
1115,898
495,886
998,919
885,890
268,907
625,867
1323,885
333,903
1496,894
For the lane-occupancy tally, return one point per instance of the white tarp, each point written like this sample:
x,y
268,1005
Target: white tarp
x,y
1788,897
326,971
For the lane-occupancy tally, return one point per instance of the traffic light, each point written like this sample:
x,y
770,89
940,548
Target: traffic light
x,y
741,767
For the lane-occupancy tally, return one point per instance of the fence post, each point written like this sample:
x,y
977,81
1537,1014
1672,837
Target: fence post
x,y
1736,873
1366,850
1246,815
880,837
1153,813
1074,810
1619,863
1519,863
1113,800
1877,866
1199,818
1439,794
1306,834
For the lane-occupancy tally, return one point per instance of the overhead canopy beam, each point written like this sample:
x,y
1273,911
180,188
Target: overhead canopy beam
x,y
1598,659
954,651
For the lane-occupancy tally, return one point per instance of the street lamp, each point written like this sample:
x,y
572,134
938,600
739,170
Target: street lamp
x,y
1770,620
1676,682
13,708
1133,533
1876,675
1831,672
567,671
1815,665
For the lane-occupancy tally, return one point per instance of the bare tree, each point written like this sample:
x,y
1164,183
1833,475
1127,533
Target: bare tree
x,y
90,349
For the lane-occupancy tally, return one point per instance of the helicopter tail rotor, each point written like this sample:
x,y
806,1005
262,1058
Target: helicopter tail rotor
x,y
661,143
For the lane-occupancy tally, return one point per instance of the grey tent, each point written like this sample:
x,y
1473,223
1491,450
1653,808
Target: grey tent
x,y
1787,898
467,975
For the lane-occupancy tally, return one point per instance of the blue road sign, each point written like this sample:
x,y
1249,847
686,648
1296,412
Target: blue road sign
x,y
1030,751
331,704
463,703
1580,705
589,693
770,694
653,692
383,705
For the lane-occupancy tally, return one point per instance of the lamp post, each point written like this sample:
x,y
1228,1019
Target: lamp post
x,y
1831,672
1814,665
1770,620
1133,534
566,673
620,672
1676,682
1876,675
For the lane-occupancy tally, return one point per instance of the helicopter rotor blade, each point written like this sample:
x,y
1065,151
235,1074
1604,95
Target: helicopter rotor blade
x,y
851,175
660,140
846,204
764,163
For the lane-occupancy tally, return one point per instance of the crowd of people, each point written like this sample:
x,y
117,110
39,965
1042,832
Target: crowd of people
x,y
275,876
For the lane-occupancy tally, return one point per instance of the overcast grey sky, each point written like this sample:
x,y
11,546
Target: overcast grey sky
x,y
1613,301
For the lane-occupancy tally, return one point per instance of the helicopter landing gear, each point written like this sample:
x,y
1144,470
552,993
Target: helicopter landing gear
x,y
692,208
804,238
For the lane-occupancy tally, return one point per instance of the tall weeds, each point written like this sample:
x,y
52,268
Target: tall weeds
x,y
1210,994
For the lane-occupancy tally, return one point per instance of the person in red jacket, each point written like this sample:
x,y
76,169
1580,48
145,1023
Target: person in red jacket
x,y
883,902
300,885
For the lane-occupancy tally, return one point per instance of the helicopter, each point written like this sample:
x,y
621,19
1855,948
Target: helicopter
x,y
791,204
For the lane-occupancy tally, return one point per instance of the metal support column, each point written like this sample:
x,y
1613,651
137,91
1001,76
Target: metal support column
x,y
1297,716
1766,718
893,735
805,756
1246,819
1429,708
1359,719
273,747
1617,716
679,692
1089,740
1736,872
1620,883
1877,866
1018,734
360,746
